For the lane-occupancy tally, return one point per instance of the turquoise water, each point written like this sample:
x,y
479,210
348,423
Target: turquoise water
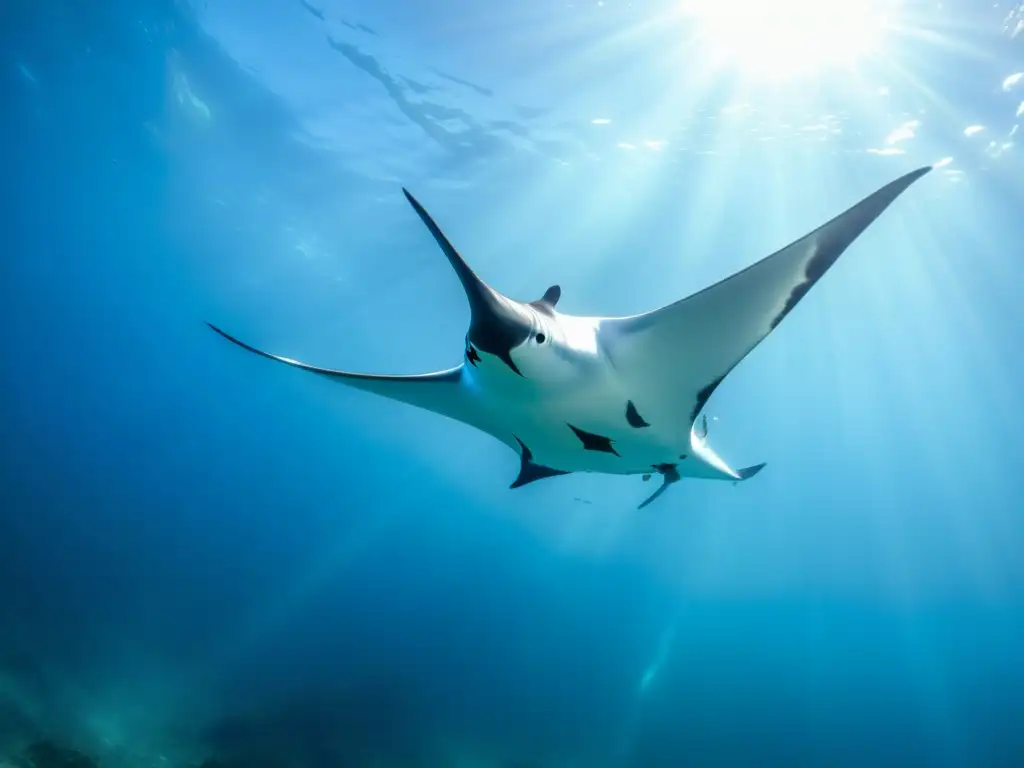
x,y
204,555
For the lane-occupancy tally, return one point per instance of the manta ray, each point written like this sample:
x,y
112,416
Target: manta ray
x,y
614,395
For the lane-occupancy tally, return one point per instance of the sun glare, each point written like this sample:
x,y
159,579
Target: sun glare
x,y
782,38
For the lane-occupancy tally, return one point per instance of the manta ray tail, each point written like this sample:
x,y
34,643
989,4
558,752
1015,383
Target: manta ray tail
x,y
673,477
664,487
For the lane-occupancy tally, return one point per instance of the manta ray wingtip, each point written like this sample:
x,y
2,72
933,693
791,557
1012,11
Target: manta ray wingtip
x,y
245,346
226,335
748,472
215,329
412,200
893,189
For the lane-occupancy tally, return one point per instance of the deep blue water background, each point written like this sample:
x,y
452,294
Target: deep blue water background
x,y
202,552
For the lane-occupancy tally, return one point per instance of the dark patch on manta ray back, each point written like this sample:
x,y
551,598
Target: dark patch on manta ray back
x,y
819,264
530,472
472,355
837,235
703,396
592,442
633,416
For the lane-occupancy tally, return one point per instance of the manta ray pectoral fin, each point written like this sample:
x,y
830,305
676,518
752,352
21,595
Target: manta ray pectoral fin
x,y
671,359
748,472
438,392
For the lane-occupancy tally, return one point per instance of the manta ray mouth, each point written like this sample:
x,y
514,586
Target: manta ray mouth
x,y
506,358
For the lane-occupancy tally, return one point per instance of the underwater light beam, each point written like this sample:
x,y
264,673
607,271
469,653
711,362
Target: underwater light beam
x,y
787,37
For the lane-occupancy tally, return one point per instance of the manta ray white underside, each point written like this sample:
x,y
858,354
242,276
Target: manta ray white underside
x,y
613,395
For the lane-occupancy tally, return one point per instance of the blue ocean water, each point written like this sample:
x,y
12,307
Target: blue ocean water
x,y
205,556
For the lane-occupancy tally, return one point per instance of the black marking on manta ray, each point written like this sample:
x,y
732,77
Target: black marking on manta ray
x,y
530,472
815,270
592,442
633,416
828,250
703,396
471,355
663,468
493,328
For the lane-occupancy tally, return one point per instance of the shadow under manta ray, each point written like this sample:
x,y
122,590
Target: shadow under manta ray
x,y
617,395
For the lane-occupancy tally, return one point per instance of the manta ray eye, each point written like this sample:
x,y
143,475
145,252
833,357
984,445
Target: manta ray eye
x,y
541,338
